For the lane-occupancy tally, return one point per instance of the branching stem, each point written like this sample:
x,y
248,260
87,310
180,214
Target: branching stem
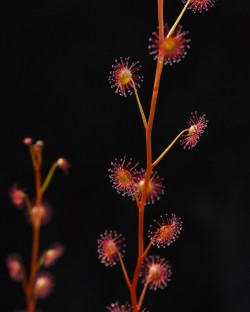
x,y
49,177
140,106
124,270
148,132
143,294
148,125
167,149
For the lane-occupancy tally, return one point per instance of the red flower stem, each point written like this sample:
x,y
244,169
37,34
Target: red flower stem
x,y
124,270
149,147
161,19
148,131
31,300
148,137
148,247
33,268
143,294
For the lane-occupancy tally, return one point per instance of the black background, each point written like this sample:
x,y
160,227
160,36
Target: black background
x,y
55,60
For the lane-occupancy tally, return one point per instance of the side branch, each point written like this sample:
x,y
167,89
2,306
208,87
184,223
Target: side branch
x,y
124,271
167,149
143,294
140,106
49,177
178,20
160,19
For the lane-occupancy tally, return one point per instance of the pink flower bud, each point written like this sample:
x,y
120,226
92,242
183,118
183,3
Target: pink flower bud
x,y
196,128
124,77
17,197
165,231
44,285
122,176
41,214
109,245
27,141
200,5
155,186
14,264
171,48
156,271
64,165
51,255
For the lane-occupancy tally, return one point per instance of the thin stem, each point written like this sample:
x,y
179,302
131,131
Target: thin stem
x,y
36,232
38,186
148,131
134,284
36,225
141,232
149,245
134,299
36,219
33,268
161,19
147,249
143,294
39,153
124,270
40,260
140,261
167,149
28,204
137,198
49,177
148,156
178,20
140,106
32,154
24,279
149,127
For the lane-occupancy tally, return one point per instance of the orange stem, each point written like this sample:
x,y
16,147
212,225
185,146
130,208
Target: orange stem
x,y
30,298
143,293
33,269
141,205
124,270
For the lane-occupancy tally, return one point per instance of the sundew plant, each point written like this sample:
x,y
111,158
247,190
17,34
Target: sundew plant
x,y
167,45
36,280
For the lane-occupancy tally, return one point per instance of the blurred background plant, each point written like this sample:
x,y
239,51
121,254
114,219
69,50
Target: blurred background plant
x,y
37,283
